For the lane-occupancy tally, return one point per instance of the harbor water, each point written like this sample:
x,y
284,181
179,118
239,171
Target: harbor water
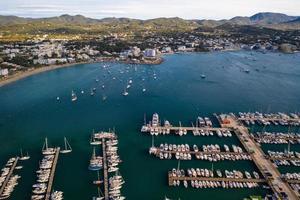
x,y
234,82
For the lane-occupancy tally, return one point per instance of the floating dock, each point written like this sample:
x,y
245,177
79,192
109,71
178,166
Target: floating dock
x,y
11,170
105,173
52,173
171,179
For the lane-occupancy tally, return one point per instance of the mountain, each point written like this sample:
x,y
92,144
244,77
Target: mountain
x,y
270,18
79,24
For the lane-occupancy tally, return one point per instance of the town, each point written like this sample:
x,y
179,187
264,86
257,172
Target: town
x,y
41,51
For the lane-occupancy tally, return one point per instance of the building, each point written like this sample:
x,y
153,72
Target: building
x,y
4,72
150,53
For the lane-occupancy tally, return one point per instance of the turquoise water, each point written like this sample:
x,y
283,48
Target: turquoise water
x,y
29,112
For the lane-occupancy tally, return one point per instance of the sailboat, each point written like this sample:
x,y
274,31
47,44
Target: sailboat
x,y
68,148
104,97
24,157
74,97
46,150
125,93
93,141
96,163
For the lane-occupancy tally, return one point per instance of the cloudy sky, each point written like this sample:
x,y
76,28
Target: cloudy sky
x,y
145,9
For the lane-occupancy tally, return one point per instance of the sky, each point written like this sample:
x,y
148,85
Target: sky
x,y
147,9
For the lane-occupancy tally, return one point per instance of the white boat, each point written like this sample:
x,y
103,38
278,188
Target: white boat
x,y
74,97
57,98
46,150
68,148
24,157
144,89
125,93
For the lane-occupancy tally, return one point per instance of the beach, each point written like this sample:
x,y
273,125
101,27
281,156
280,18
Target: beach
x,y
20,75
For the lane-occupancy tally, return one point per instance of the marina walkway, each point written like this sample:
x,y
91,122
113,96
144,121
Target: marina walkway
x,y
52,173
171,179
105,173
267,168
230,153
12,168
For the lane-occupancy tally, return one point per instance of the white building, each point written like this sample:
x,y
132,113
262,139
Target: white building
x,y
4,72
150,53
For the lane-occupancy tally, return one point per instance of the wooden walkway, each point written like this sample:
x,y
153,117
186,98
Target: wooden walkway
x,y
171,179
105,173
285,158
52,173
267,119
11,170
158,151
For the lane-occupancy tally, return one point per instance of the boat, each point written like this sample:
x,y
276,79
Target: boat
x,y
95,162
93,141
24,157
57,98
203,76
92,92
144,89
82,92
68,148
104,97
74,97
125,93
46,150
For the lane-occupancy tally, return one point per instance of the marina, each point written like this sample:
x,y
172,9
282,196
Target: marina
x,y
283,119
211,153
204,178
8,180
112,180
42,189
31,113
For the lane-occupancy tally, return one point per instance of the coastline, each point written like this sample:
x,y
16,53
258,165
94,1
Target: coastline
x,y
21,75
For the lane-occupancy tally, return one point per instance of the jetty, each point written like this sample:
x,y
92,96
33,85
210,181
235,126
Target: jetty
x,y
172,178
105,172
11,170
52,173
266,167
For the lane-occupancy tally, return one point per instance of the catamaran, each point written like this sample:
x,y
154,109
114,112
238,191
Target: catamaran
x,y
74,97
46,150
68,148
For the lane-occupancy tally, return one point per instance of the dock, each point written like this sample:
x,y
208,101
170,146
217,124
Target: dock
x,y
12,168
158,151
171,179
52,173
266,167
175,129
105,173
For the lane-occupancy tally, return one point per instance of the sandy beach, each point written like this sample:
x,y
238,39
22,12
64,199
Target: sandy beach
x,y
20,75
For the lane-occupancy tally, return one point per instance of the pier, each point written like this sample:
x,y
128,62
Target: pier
x,y
174,129
266,167
230,153
171,179
11,170
105,173
52,173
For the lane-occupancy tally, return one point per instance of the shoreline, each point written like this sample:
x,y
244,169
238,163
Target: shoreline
x,y
21,75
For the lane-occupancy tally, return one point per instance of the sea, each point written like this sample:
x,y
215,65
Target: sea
x,y
239,81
